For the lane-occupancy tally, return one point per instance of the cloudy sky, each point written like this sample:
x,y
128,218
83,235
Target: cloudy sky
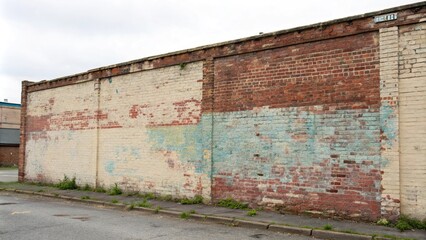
x,y
46,39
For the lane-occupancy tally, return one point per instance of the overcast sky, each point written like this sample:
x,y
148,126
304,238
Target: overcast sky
x,y
46,39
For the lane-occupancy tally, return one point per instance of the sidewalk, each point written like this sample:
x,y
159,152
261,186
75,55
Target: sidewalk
x,y
304,225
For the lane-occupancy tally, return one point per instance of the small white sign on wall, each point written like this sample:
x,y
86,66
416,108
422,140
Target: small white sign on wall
x,y
386,17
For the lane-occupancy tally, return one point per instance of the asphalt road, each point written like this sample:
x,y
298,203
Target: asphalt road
x,y
8,175
33,217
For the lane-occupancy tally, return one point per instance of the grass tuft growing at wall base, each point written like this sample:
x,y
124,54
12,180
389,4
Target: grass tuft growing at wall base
x,y
406,223
115,190
67,183
232,203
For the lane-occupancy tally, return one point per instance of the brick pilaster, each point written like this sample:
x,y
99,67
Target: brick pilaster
x,y
21,162
389,126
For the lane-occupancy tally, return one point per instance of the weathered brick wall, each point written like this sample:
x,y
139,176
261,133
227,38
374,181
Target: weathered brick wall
x,y
61,133
412,92
326,119
298,128
9,156
142,131
153,140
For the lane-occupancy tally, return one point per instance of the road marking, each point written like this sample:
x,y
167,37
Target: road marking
x,y
24,212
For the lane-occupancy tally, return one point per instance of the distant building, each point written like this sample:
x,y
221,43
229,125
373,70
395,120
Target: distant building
x,y
10,120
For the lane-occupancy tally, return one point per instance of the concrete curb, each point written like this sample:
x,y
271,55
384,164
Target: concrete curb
x,y
198,217
220,219
289,229
251,224
150,210
323,234
170,213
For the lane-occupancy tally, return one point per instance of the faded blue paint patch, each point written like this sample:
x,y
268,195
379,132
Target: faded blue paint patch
x,y
388,124
188,141
135,152
126,153
109,167
254,144
389,129
119,159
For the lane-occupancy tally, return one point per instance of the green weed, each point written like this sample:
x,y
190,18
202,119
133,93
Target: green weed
x,y
157,209
185,215
196,200
383,222
165,198
233,204
328,227
251,212
115,190
182,66
407,223
148,196
352,232
114,201
86,187
67,183
131,194
85,197
100,189
144,204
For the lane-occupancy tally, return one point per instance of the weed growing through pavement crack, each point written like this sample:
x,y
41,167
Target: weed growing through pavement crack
x,y
144,204
233,204
185,215
328,227
196,200
251,212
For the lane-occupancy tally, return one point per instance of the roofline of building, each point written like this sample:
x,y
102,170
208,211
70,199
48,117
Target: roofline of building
x,y
240,40
8,104
275,33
